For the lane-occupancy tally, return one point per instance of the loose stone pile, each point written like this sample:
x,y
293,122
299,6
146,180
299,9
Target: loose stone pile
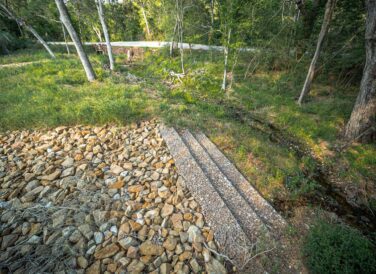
x,y
98,199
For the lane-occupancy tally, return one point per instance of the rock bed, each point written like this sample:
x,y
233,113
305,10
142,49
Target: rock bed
x,y
98,200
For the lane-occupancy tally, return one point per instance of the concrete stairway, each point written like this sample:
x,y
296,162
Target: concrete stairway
x,y
237,213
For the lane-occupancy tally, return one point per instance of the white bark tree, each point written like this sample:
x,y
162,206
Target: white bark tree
x,y
180,30
329,8
226,51
65,38
148,33
29,28
105,32
64,17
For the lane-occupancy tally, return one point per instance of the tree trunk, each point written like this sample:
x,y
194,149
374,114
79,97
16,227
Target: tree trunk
x,y
146,21
105,33
98,33
362,123
65,38
329,8
64,17
22,23
172,39
180,30
226,49
40,39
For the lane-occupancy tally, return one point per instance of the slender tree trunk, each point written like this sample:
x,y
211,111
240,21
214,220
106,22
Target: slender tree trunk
x,y
172,39
329,8
146,21
65,38
98,33
105,33
211,31
362,123
226,50
180,30
64,17
40,39
22,23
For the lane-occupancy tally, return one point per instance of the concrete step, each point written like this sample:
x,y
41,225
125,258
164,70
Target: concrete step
x,y
243,222
239,207
275,222
228,233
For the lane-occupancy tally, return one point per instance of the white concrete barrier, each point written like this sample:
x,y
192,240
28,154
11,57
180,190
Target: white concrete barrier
x,y
154,44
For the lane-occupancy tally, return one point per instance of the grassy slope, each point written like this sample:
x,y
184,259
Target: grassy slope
x,y
56,92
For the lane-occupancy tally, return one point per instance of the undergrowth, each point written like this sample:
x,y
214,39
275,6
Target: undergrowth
x,y
334,248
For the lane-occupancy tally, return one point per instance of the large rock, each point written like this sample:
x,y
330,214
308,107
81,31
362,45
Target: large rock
x,y
68,162
107,251
100,216
135,188
170,243
67,172
8,241
51,177
115,169
149,249
194,234
167,210
127,242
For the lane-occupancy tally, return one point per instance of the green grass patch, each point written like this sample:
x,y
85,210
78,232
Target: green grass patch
x,y
333,248
56,92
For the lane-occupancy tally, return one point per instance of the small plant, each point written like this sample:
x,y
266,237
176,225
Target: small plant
x,y
298,184
333,248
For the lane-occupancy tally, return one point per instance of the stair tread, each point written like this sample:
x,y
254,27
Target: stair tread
x,y
251,223
263,209
227,231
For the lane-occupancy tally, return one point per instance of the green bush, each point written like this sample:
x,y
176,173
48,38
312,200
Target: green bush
x,y
331,248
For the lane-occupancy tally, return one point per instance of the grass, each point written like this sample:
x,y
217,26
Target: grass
x,y
26,55
335,248
53,93
198,102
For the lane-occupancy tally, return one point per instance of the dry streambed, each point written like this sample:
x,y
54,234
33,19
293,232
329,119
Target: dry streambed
x,y
98,199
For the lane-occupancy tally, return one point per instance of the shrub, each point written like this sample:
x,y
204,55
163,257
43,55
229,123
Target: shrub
x,y
333,248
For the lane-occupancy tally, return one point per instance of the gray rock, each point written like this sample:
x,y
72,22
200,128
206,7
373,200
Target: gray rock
x,y
215,267
68,162
194,234
34,240
99,217
31,185
195,266
91,250
114,230
67,172
85,229
136,266
127,242
98,237
75,237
